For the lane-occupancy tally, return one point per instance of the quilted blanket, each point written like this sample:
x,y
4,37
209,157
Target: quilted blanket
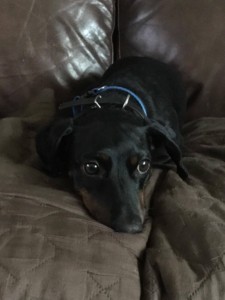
x,y
51,249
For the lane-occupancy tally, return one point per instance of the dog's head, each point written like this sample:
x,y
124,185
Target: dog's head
x,y
109,157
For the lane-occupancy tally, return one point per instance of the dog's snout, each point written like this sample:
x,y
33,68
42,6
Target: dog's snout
x,y
133,226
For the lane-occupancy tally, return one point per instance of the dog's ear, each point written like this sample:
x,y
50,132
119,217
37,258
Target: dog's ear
x,y
168,138
53,144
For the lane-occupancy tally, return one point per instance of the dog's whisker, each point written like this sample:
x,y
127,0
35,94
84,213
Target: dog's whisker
x,y
126,101
96,102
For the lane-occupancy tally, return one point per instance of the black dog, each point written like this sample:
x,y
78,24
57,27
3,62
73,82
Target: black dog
x,y
117,133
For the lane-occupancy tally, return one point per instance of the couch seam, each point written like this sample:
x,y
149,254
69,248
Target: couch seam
x,y
113,32
117,54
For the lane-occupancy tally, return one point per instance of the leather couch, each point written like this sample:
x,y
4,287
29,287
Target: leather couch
x,y
50,248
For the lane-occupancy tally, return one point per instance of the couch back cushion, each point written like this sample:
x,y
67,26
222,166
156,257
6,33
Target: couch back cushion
x,y
52,44
189,34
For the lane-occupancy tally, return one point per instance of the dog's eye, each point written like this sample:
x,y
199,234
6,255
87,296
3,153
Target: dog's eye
x,y
91,168
143,166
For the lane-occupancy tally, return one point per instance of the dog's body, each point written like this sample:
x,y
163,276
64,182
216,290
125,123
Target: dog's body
x,y
118,132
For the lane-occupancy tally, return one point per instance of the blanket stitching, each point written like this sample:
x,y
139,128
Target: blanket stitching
x,y
207,277
154,286
7,271
101,288
130,250
43,262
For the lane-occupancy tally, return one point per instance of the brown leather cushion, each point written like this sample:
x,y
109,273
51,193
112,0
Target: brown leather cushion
x,y
52,44
187,33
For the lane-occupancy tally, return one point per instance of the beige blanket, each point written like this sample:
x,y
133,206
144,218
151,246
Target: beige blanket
x,y
51,249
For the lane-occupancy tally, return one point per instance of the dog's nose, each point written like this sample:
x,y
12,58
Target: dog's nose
x,y
134,226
